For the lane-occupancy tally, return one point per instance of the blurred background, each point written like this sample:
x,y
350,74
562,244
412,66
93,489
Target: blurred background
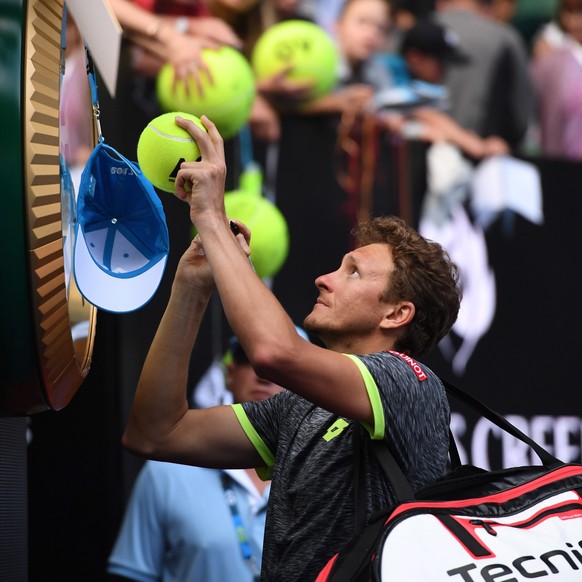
x,y
507,209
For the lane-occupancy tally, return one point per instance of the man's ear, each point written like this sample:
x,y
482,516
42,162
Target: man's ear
x,y
398,315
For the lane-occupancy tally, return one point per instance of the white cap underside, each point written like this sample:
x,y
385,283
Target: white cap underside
x,y
116,294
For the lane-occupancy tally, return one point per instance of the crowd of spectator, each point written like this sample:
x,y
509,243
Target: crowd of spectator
x,y
498,91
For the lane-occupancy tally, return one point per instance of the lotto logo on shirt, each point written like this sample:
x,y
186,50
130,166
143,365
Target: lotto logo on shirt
x,y
420,374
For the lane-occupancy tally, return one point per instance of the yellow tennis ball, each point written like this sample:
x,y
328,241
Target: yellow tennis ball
x,y
227,99
269,232
163,146
304,45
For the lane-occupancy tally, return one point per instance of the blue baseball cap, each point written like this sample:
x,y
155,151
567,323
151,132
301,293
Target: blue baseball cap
x,y
121,235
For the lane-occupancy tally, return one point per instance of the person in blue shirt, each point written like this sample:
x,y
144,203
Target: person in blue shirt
x,y
185,523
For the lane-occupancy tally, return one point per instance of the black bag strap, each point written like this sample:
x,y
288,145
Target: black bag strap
x,y
394,475
351,564
454,455
358,481
400,486
547,459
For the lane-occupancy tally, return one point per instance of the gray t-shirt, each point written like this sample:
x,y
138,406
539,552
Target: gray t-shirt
x,y
308,452
493,92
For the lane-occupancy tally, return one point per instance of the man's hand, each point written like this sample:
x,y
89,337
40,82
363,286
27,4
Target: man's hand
x,y
193,268
201,183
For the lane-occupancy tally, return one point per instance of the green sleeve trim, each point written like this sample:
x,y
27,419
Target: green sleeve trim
x,y
265,473
377,431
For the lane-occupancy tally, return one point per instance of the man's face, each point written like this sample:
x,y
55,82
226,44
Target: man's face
x,y
363,29
350,303
245,385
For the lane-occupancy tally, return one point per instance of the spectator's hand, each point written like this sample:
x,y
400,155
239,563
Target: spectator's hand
x,y
392,121
353,99
185,54
182,51
495,146
281,89
214,29
264,120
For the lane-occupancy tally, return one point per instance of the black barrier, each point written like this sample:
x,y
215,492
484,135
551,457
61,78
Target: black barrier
x,y
526,364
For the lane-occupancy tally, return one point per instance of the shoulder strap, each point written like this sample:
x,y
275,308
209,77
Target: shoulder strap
x,y
547,459
394,475
454,455
399,483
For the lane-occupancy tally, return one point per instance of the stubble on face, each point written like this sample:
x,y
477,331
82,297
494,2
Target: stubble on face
x,y
347,310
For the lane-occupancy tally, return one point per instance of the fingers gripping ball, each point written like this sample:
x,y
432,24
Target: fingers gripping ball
x,y
227,99
163,146
269,233
305,46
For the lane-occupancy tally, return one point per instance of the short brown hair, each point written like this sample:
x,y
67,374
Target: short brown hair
x,y
423,274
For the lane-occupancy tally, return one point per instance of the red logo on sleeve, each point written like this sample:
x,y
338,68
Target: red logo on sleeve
x,y
420,373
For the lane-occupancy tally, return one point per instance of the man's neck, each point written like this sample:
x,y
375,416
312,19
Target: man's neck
x,y
359,345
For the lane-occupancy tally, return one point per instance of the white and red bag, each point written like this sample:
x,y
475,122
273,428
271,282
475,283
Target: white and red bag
x,y
512,525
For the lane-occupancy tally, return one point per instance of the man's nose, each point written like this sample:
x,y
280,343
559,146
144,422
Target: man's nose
x,y
324,281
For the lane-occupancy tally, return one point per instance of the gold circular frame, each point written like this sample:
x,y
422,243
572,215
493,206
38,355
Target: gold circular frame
x,y
63,363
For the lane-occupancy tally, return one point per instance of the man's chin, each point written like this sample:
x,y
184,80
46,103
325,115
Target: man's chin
x,y
309,324
312,326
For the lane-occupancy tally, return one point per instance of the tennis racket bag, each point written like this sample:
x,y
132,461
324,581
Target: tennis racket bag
x,y
511,525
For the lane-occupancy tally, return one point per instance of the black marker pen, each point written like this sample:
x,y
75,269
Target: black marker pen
x,y
236,230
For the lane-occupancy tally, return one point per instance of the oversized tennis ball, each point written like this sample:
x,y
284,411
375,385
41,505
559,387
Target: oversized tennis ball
x,y
227,99
163,146
269,232
304,45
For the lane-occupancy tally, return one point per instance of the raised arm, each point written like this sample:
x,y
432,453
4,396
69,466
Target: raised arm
x,y
160,424
158,37
265,331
